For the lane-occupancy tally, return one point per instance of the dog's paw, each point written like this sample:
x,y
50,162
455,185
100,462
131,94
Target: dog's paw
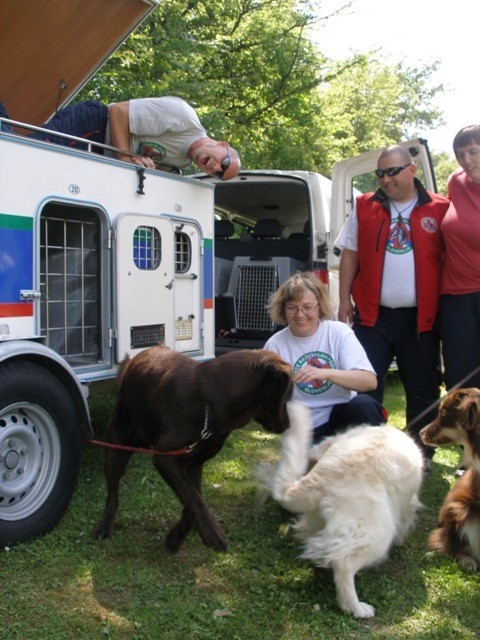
x,y
362,610
102,532
217,543
467,563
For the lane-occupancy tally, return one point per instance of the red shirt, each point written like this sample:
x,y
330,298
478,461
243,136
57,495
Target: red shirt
x,y
461,233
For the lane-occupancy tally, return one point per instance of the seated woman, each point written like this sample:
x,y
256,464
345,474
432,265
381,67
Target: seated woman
x,y
330,366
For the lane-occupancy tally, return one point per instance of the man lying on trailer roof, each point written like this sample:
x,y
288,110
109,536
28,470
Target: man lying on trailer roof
x,y
163,133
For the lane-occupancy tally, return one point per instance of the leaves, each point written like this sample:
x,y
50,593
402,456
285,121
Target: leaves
x,y
253,71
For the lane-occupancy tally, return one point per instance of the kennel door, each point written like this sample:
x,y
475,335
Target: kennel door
x,y
144,283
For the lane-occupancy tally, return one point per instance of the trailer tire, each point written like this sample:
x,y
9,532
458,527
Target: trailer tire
x,y
40,451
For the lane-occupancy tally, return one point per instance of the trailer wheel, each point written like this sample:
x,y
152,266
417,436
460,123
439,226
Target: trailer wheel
x,y
40,447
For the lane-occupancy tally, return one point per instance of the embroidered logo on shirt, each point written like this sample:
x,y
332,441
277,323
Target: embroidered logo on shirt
x,y
151,150
400,236
317,359
429,225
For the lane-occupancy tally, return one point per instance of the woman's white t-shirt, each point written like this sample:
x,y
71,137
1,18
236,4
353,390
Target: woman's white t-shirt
x,y
333,346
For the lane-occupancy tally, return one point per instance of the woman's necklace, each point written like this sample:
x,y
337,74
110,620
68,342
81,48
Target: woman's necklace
x,y
409,204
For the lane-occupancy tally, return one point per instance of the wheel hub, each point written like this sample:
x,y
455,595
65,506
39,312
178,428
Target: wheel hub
x,y
21,457
12,459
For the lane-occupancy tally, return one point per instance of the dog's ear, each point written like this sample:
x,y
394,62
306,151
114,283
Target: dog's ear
x,y
278,382
458,397
470,406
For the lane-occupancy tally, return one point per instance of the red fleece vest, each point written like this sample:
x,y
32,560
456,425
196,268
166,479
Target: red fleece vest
x,y
373,228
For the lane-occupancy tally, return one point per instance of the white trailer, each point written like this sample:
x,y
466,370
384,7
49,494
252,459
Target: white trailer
x,y
99,259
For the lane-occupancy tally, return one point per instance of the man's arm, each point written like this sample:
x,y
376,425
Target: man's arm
x,y
348,271
118,113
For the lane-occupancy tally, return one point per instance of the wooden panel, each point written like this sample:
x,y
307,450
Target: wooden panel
x,y
48,44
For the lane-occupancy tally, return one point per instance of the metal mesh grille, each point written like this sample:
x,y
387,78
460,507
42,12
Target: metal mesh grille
x,y
183,330
183,252
254,286
69,274
147,336
147,251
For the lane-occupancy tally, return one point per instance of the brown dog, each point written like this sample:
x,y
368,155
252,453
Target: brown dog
x,y
166,401
458,422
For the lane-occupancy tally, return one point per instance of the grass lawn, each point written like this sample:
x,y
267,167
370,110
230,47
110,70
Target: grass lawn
x,y
67,586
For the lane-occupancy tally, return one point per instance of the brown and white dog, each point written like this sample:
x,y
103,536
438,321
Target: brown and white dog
x,y
167,401
458,422
355,493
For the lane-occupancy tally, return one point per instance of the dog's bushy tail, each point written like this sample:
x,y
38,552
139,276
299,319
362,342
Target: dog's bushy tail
x,y
296,442
278,480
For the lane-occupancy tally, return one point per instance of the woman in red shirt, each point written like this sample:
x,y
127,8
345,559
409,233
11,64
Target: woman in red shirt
x,y
460,288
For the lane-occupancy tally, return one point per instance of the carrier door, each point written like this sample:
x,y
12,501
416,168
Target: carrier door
x,y
188,287
144,303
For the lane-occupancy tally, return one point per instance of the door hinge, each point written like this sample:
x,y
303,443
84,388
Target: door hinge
x,y
112,335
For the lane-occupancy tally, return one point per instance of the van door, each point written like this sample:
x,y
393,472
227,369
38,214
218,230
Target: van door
x,y
144,289
356,175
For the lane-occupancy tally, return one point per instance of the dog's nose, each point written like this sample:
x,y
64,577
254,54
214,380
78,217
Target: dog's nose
x,y
424,435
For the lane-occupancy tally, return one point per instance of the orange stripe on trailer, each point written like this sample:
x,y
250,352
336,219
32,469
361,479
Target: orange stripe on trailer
x,y
16,309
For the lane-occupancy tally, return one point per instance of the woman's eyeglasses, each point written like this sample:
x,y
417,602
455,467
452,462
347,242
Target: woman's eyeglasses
x,y
306,309
391,171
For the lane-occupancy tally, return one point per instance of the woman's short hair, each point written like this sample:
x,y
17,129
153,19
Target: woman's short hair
x,y
293,290
466,136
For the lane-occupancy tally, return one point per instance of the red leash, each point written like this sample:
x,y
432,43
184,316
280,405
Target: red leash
x,y
121,447
175,452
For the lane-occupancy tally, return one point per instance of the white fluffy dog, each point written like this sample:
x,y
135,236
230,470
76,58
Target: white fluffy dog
x,y
358,498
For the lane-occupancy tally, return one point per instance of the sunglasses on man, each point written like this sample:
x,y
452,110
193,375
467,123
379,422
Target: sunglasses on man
x,y
223,166
391,171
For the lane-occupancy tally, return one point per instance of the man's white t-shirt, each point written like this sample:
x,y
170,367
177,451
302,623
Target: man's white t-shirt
x,y
164,129
398,279
333,346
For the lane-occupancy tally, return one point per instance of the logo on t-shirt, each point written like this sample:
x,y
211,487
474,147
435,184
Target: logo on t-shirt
x,y
151,150
317,359
400,236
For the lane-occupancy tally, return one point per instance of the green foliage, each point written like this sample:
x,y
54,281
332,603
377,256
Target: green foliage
x,y
444,165
252,70
373,104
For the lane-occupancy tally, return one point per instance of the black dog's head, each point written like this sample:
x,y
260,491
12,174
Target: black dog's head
x,y
245,385
277,387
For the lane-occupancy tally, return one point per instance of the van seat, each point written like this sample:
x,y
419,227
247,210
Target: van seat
x,y
224,229
267,228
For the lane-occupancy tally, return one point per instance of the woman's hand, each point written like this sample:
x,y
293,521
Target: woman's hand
x,y
354,379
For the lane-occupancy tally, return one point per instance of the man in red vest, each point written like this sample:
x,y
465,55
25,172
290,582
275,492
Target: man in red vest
x,y
392,253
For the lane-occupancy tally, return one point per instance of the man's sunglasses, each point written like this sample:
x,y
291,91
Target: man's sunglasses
x,y
223,166
391,171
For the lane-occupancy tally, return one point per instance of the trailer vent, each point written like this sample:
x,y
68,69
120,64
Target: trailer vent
x,y
147,336
183,329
